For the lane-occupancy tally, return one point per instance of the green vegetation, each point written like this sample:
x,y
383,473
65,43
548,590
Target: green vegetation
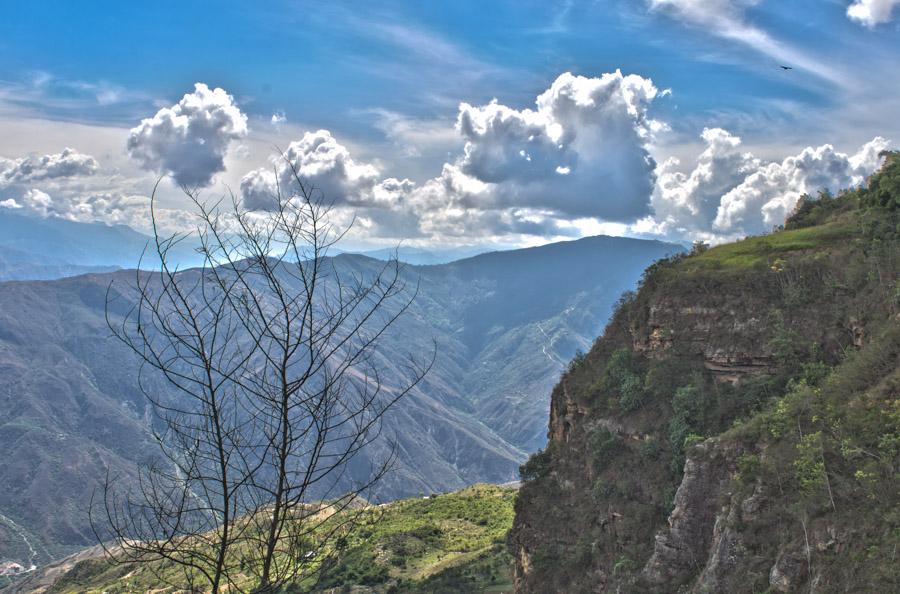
x,y
441,543
537,465
603,444
623,380
773,365
767,249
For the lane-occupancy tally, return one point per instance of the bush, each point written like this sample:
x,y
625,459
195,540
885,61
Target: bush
x,y
748,466
603,443
649,450
577,361
537,466
884,187
689,413
623,380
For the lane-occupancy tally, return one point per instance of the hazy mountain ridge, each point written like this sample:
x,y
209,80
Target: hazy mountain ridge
x,y
18,265
503,322
44,248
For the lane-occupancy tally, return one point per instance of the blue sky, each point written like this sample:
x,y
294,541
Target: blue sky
x,y
386,79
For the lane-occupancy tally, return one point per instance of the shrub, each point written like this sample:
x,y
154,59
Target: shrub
x,y
884,187
603,443
537,466
649,450
810,464
577,361
689,413
748,466
623,380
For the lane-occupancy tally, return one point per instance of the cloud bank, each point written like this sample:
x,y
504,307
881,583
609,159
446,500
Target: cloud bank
x,y
28,169
65,185
575,162
730,193
190,139
582,151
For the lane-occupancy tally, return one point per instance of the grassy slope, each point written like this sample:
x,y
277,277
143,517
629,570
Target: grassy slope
x,y
444,543
743,256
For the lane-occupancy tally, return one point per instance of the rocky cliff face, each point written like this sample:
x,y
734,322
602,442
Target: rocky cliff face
x,y
737,426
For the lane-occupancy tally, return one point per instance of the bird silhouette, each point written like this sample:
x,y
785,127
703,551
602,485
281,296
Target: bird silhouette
x,y
787,67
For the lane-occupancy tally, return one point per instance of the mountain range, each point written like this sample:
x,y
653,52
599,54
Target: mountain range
x,y
43,248
504,324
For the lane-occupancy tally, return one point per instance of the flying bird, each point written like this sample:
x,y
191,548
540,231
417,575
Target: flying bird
x,y
787,67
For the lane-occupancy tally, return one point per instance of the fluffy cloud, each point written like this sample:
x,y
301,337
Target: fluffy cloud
x,y
582,151
683,203
577,160
68,163
190,139
768,195
730,193
33,201
872,12
65,185
110,208
63,190
322,163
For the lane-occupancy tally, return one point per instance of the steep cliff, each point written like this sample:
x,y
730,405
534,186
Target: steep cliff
x,y
737,427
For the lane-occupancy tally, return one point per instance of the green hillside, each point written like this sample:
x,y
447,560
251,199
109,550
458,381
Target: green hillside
x,y
737,427
446,543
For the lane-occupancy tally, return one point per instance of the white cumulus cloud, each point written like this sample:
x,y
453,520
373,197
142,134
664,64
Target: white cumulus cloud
x,y
190,139
685,202
322,163
872,12
730,193
768,195
578,159
33,201
68,163
582,151
107,207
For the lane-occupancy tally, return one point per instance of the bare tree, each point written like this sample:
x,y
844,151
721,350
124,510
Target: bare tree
x,y
272,351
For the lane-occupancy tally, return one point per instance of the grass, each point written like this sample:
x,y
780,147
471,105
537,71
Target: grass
x,y
419,538
764,250
453,542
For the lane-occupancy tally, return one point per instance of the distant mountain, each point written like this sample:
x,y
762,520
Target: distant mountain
x,y
19,265
505,324
45,248
423,257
